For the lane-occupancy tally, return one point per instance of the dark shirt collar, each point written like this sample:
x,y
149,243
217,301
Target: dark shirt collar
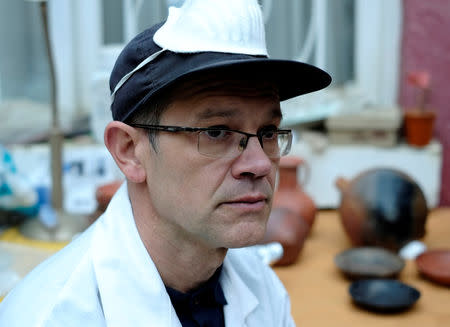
x,y
208,294
201,307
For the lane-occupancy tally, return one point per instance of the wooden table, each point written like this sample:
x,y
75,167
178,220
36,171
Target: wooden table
x,y
319,292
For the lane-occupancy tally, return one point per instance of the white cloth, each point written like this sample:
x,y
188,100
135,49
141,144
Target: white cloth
x,y
105,277
231,26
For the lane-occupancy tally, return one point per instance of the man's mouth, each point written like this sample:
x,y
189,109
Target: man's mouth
x,y
249,202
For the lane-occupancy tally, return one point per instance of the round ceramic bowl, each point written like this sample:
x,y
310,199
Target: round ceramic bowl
x,y
435,265
383,295
369,262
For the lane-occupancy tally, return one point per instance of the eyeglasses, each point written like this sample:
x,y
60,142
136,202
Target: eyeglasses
x,y
223,142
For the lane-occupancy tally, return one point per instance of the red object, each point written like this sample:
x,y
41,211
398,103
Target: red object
x,y
289,193
290,230
419,79
435,265
104,193
419,126
293,212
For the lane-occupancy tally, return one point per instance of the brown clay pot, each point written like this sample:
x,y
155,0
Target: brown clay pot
x,y
290,230
103,195
289,193
419,127
382,207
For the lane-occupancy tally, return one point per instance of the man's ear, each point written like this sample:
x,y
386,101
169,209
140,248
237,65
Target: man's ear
x,y
121,141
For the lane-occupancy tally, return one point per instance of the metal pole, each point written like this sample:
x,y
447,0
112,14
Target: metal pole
x,y
66,225
56,135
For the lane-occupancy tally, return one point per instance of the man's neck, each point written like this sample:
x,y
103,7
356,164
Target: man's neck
x,y
183,266
185,271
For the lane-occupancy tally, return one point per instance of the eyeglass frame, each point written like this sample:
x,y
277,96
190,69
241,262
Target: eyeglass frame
x,y
180,129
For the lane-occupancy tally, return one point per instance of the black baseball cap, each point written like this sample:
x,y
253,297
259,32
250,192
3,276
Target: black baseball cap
x,y
165,68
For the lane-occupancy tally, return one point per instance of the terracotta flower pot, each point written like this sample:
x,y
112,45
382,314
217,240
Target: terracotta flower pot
x,y
419,127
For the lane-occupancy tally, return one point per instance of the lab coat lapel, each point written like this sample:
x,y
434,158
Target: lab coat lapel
x,y
131,291
240,300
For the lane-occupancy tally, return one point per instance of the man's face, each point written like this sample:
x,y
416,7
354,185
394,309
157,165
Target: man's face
x,y
217,202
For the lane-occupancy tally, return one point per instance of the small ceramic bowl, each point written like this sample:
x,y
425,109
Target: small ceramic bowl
x,y
435,265
383,295
369,262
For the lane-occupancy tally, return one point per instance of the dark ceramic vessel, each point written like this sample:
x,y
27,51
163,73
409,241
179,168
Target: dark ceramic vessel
x,y
383,295
369,262
382,207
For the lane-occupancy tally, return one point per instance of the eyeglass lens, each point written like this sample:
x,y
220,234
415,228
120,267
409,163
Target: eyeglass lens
x,y
231,144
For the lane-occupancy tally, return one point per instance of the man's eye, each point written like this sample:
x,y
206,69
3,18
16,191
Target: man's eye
x,y
217,133
269,133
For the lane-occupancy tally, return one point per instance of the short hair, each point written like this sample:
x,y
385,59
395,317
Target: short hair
x,y
152,112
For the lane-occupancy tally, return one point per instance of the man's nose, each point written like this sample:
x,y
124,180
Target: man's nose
x,y
253,161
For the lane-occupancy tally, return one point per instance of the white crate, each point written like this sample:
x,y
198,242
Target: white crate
x,y
374,126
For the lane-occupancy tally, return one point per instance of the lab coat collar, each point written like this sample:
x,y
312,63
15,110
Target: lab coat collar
x,y
131,290
241,300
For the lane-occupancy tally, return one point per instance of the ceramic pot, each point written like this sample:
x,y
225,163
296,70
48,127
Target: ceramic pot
x,y
419,127
290,230
103,195
289,193
382,207
435,265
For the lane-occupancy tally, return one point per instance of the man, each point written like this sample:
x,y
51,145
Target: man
x,y
196,108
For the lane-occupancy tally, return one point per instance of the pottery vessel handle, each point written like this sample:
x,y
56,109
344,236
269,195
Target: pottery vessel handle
x,y
342,184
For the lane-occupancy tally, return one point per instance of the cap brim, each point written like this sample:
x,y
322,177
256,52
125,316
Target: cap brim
x,y
292,78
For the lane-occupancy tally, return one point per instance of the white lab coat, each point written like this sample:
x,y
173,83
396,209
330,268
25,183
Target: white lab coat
x,y
105,277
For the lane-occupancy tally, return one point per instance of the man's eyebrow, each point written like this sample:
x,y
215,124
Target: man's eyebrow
x,y
216,113
228,113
